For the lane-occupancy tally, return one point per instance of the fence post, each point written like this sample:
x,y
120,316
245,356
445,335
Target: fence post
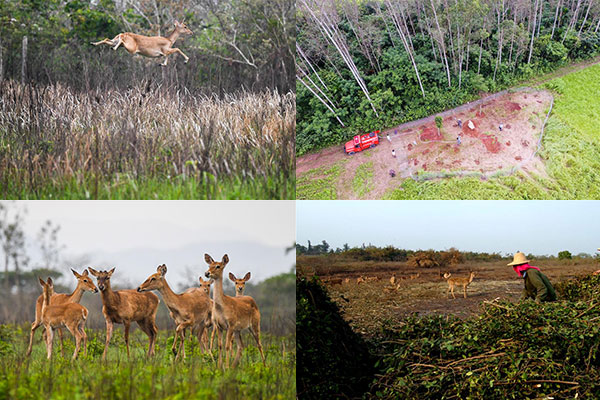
x,y
24,60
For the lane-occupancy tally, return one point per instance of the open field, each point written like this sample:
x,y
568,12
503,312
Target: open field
x,y
139,377
144,142
565,167
371,305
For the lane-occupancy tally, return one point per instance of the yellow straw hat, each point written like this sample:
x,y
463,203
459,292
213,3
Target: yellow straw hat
x,y
518,259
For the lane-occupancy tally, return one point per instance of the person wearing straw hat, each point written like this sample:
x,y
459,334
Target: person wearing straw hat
x,y
537,285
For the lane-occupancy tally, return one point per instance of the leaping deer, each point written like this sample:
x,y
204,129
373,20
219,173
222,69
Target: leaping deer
x,y
189,309
71,315
125,306
149,46
84,283
232,314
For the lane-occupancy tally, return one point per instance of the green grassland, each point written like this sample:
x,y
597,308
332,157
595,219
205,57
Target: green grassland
x,y
139,377
570,151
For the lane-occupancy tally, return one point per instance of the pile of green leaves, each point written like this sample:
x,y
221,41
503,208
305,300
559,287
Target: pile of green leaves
x,y
509,351
332,359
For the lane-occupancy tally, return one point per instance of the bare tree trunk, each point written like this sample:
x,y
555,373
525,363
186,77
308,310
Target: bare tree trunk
x,y
585,18
442,45
320,99
555,18
573,20
533,31
1,63
24,60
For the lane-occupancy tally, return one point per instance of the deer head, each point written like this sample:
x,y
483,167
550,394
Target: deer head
x,y
103,278
239,283
48,288
215,269
205,285
84,281
182,28
155,281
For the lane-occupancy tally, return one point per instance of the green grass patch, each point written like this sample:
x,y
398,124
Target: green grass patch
x,y
319,183
363,179
139,377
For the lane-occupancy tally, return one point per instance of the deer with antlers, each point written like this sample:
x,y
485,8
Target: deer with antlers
x,y
232,314
70,315
190,309
125,306
84,283
149,46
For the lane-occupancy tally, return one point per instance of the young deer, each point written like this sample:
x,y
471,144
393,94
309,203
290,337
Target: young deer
x,y
84,283
240,284
464,282
189,309
125,306
71,315
149,46
232,314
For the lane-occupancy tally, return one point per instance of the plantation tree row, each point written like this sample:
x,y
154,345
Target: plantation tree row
x,y
364,64
236,45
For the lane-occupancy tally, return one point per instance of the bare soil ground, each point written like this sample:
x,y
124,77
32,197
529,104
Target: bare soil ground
x,y
420,147
370,305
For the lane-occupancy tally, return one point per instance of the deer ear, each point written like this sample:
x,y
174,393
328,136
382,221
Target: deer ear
x,y
85,272
232,276
225,259
111,272
162,269
200,279
75,273
93,271
42,281
247,276
50,283
208,259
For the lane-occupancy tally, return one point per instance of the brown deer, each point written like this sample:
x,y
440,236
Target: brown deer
x,y
240,284
71,315
149,46
84,283
188,310
232,314
125,306
464,282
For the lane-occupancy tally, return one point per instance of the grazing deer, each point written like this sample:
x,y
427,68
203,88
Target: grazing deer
x,y
188,309
84,283
71,315
149,46
393,279
125,306
232,314
240,284
360,280
464,282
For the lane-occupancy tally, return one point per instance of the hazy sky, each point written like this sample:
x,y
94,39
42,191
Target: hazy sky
x,y
159,231
537,227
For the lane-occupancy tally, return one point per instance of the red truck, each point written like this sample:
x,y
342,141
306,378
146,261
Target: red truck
x,y
361,142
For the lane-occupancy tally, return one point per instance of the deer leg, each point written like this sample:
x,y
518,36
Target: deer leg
x,y
255,330
238,339
228,340
105,41
74,330
119,41
175,339
181,334
84,335
149,327
453,296
49,336
127,325
465,290
60,335
36,324
176,50
109,331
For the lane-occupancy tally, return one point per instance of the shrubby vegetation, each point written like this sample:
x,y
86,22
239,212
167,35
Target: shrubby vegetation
x,y
389,62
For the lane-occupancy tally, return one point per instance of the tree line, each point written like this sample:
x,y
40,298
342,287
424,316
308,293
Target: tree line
x,y
369,65
237,45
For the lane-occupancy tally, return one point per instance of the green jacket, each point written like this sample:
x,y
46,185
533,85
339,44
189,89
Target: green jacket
x,y
538,287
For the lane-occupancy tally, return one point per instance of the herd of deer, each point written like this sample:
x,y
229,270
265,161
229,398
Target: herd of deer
x,y
193,309
395,285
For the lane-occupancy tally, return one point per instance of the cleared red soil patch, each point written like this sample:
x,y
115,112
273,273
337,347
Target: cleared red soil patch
x,y
484,149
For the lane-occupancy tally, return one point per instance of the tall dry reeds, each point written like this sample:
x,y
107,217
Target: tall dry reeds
x,y
54,140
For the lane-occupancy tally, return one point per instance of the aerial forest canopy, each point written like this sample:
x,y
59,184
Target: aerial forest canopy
x,y
367,65
236,45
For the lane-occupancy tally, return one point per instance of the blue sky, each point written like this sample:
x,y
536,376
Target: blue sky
x,y
537,227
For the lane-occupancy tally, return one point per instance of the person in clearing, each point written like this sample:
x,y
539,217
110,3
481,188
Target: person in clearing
x,y
537,285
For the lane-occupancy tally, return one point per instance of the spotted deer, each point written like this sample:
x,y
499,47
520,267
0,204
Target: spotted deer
x,y
84,283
